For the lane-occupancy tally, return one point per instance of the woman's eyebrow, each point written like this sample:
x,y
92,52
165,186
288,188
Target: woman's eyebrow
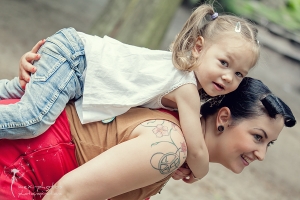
x,y
266,136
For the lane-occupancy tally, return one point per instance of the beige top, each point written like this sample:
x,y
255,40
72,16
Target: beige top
x,y
89,145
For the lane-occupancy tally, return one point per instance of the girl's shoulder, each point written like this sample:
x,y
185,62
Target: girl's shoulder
x,y
188,89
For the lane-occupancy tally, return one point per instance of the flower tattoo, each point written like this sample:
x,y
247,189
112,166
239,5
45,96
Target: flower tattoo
x,y
160,130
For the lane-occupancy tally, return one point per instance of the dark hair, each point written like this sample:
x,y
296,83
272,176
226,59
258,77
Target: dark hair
x,y
252,98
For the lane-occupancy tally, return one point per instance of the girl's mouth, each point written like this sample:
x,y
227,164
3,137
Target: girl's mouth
x,y
218,86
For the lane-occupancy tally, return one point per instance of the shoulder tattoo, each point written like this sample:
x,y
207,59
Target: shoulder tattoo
x,y
168,161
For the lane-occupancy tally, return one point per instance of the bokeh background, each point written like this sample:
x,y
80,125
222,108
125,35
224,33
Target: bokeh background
x,y
153,24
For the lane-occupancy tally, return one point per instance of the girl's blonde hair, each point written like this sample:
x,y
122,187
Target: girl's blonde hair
x,y
200,23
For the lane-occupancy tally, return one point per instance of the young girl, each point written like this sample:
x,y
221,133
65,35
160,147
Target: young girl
x,y
106,78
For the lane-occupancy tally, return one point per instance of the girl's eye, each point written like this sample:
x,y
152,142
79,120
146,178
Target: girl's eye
x,y
270,143
239,74
224,63
257,137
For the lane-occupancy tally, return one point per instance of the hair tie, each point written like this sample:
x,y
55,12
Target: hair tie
x,y
238,27
214,16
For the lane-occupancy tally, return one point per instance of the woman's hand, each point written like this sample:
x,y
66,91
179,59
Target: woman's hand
x,y
25,64
185,174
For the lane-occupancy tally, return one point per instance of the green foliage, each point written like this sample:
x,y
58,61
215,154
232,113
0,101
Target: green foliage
x,y
287,16
293,5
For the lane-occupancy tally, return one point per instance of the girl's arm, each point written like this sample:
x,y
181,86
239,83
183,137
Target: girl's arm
x,y
188,103
10,89
133,164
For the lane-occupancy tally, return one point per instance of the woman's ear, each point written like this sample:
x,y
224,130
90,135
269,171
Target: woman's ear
x,y
223,116
198,47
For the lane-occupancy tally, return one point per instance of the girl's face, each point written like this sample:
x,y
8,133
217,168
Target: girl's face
x,y
241,144
222,64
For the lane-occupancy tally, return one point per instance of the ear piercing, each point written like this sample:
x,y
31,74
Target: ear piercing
x,y
221,128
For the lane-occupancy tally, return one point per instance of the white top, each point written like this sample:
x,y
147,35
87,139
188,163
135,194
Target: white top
x,y
120,76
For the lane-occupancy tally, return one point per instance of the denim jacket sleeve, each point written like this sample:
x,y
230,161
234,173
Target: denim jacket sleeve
x,y
10,89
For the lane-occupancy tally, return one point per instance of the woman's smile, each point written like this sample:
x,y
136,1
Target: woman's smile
x,y
246,160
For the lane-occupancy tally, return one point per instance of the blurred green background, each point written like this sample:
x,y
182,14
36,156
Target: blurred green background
x,y
279,16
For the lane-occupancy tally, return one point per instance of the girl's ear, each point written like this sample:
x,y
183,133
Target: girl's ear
x,y
198,47
223,116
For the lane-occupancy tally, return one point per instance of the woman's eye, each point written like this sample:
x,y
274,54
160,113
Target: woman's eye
x,y
270,143
224,63
239,74
258,137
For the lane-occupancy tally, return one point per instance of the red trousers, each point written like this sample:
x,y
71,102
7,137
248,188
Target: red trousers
x,y
30,167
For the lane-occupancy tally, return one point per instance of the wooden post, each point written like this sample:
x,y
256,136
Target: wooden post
x,y
137,22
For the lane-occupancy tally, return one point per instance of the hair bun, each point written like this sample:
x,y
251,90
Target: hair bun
x,y
269,103
289,122
275,105
289,119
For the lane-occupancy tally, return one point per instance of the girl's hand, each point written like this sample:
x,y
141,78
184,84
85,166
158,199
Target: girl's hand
x,y
25,64
181,173
185,174
190,179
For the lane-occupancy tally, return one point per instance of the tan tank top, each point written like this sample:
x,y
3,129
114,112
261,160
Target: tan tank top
x,y
89,144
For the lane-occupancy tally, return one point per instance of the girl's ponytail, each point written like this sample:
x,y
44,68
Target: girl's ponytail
x,y
187,37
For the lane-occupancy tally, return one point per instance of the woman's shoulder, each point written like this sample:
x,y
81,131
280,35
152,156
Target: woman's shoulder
x,y
141,114
138,116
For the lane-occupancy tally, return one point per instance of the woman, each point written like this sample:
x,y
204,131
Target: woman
x,y
149,146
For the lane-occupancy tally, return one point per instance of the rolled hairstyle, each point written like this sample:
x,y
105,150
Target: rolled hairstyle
x,y
200,23
251,99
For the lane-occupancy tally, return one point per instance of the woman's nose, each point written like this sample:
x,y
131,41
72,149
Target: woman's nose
x,y
260,153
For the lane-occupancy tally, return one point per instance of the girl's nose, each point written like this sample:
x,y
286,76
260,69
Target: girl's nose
x,y
227,77
260,153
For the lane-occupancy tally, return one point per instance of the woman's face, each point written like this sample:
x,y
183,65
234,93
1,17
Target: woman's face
x,y
247,141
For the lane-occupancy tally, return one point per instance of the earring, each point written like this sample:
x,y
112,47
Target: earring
x,y
221,128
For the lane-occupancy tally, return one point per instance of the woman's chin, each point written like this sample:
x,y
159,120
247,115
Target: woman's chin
x,y
235,169
233,166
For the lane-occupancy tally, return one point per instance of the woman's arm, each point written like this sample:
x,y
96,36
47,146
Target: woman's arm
x,y
157,151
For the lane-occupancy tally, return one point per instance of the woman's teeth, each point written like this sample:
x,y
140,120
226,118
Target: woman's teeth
x,y
246,159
